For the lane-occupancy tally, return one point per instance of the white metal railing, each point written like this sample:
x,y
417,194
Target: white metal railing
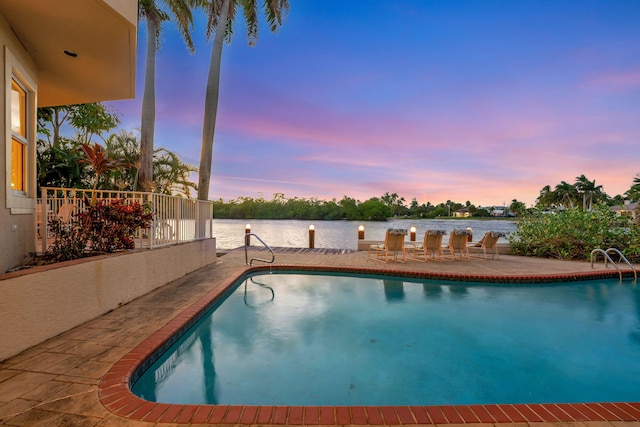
x,y
175,219
607,259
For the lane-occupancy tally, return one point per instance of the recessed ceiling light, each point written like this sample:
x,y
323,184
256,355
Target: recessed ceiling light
x,y
71,54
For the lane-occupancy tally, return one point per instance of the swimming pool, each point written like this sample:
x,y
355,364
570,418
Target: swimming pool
x,y
114,388
306,340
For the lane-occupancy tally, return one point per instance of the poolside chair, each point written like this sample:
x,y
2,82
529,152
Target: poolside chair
x,y
488,244
458,240
393,244
430,246
65,212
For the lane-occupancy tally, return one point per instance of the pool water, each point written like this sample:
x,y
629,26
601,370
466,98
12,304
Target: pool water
x,y
317,339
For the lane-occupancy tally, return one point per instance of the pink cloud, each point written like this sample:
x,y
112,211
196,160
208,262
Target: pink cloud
x,y
621,81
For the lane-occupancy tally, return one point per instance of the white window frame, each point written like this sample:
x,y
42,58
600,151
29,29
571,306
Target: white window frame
x,y
20,202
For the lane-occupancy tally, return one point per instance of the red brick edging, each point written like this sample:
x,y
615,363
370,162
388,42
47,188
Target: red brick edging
x,y
116,396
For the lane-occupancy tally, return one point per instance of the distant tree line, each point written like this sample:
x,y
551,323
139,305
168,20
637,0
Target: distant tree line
x,y
584,194
374,209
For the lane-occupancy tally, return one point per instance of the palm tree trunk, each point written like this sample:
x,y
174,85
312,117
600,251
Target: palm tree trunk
x,y
147,124
211,105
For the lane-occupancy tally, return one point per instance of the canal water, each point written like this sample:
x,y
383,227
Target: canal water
x,y
343,234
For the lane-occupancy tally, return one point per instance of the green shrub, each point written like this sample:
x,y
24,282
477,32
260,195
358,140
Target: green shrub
x,y
572,234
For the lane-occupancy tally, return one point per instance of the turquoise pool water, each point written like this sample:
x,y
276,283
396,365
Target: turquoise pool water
x,y
317,339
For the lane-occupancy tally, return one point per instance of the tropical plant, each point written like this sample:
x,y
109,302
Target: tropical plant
x,y
172,174
517,207
88,120
69,242
565,194
126,146
572,234
98,159
547,197
59,165
111,225
633,193
155,15
221,16
103,227
589,191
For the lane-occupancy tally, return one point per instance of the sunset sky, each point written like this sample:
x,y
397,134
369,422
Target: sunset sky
x,y
484,101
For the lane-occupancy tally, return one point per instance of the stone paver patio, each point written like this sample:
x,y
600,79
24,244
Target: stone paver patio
x,y
57,382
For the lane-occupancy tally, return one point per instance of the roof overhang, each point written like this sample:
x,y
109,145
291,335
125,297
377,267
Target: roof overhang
x,y
103,35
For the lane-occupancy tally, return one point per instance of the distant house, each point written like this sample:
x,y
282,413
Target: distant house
x,y
462,213
53,53
499,211
628,209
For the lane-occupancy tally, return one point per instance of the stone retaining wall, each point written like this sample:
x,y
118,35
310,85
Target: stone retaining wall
x,y
42,302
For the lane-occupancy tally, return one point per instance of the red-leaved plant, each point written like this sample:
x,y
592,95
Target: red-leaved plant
x,y
111,225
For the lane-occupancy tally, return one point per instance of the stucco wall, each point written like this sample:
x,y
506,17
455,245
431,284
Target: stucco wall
x,y
17,231
38,304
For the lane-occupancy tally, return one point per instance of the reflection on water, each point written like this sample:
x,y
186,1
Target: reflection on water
x,y
344,340
432,290
229,233
393,290
458,290
263,297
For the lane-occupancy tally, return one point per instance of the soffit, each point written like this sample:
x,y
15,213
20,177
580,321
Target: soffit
x,y
101,32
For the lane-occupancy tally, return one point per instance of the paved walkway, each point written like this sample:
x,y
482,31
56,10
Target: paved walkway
x,y
56,383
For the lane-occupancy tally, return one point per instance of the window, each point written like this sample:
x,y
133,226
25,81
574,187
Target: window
x,y
19,140
20,88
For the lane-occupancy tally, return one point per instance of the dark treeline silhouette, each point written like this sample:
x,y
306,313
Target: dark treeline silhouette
x,y
583,194
373,209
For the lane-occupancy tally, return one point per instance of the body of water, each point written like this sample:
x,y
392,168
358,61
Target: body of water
x,y
342,234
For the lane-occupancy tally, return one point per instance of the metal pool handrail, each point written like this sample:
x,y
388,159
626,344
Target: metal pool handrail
x,y
625,260
607,258
246,245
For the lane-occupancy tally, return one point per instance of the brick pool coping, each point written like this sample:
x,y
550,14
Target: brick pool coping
x,y
115,394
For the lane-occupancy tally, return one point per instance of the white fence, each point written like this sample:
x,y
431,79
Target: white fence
x,y
175,219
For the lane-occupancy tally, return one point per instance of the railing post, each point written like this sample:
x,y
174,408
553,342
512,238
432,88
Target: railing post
x,y
152,229
44,219
176,210
199,227
210,216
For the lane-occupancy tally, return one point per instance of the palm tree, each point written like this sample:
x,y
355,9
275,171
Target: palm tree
x,y
221,15
155,16
172,174
589,190
565,193
547,197
125,145
633,193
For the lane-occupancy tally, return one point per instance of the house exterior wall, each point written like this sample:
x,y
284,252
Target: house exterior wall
x,y
34,35
17,223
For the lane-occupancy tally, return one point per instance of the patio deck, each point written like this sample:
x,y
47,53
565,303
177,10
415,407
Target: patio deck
x,y
57,382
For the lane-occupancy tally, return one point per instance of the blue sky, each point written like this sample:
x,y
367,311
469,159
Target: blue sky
x,y
484,101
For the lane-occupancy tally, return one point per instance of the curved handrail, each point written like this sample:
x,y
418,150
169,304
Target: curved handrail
x,y
606,258
246,256
625,260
